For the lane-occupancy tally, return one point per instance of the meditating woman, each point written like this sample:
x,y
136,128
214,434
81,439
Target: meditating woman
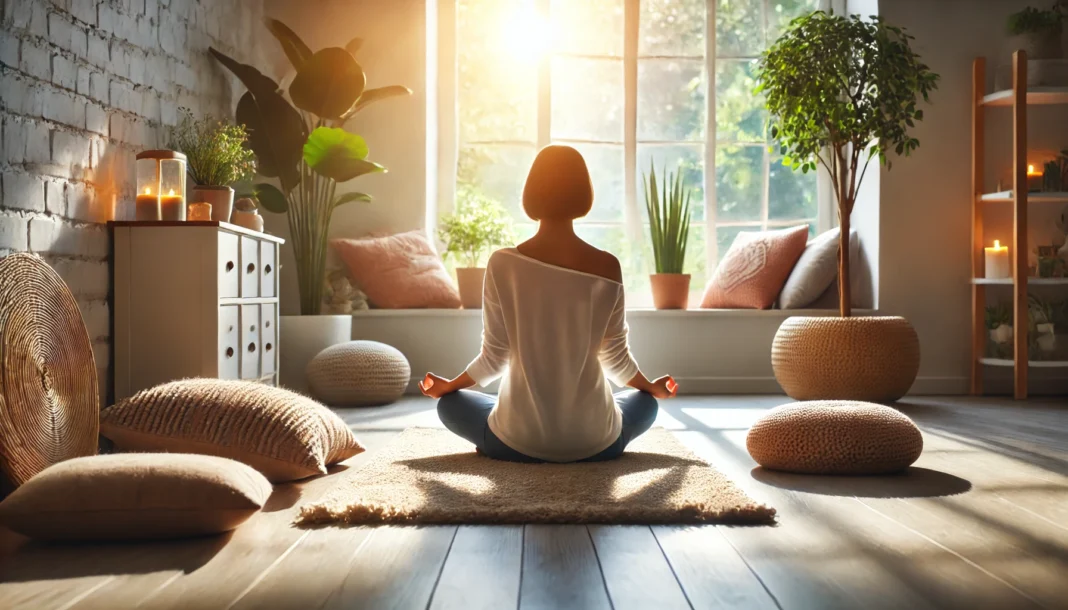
x,y
554,318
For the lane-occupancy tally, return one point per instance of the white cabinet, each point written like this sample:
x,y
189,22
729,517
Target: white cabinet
x,y
192,299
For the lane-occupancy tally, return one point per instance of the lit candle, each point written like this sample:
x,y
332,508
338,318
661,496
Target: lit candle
x,y
200,210
1034,180
997,261
146,206
172,207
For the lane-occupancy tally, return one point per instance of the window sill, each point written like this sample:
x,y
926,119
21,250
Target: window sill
x,y
632,313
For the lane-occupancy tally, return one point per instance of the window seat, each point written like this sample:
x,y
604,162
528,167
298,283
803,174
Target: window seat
x,y
708,351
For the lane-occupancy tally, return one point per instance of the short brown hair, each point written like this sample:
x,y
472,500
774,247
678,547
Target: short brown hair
x,y
558,186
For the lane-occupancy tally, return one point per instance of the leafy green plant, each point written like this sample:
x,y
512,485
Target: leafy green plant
x,y
841,91
1033,20
998,315
305,145
669,218
478,225
215,150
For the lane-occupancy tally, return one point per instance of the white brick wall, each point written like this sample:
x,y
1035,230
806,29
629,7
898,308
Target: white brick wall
x,y
84,86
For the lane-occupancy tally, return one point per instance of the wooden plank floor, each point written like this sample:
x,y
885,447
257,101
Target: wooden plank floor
x,y
981,521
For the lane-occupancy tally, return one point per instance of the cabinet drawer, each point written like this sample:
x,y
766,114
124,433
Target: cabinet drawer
x,y
250,267
250,341
229,342
268,268
268,337
229,265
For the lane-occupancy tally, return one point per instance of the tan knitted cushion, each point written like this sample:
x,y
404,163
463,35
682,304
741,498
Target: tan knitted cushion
x,y
358,374
135,496
282,434
834,437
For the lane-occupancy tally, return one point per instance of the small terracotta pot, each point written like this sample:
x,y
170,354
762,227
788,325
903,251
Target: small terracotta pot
x,y
469,280
670,290
221,199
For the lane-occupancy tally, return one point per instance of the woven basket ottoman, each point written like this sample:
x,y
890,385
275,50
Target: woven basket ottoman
x,y
358,374
834,437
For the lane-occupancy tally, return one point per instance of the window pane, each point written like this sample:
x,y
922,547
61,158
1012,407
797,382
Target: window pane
x,y
587,99
739,28
498,171
782,12
740,114
690,157
634,255
497,98
739,182
725,237
671,27
671,99
605,163
791,194
590,27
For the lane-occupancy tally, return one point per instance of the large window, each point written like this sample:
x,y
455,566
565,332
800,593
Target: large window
x,y
628,83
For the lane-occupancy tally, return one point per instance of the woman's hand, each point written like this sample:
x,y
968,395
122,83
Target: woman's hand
x,y
435,386
663,387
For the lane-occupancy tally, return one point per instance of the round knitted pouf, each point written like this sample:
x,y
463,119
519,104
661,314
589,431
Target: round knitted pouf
x,y
358,374
834,437
830,358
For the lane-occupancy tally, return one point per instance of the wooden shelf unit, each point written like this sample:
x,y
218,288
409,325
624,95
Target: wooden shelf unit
x,y
1017,99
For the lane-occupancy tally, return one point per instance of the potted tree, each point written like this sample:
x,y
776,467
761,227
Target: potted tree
x,y
302,142
669,228
842,92
216,158
479,225
1039,30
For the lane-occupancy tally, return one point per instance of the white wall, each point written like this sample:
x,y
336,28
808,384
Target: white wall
x,y
925,207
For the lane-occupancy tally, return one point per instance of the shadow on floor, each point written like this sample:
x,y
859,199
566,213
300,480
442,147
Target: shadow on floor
x,y
913,483
34,561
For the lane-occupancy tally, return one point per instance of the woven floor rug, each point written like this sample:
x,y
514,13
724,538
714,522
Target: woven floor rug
x,y
431,476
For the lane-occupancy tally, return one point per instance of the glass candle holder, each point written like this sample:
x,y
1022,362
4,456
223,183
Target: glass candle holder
x,y
160,185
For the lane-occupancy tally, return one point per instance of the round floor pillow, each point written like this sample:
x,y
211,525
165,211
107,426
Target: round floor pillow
x,y
835,437
358,374
49,397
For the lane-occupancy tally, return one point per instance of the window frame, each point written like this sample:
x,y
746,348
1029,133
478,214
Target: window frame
x,y
442,54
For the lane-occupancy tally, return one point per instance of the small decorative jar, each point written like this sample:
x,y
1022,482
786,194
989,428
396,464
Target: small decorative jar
x,y
160,185
246,215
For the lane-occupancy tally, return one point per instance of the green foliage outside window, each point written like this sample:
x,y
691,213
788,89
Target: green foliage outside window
x,y
478,226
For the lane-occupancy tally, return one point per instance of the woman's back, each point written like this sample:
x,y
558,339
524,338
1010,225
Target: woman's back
x,y
568,251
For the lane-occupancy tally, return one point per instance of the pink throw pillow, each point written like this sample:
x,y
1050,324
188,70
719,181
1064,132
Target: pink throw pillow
x,y
399,271
755,268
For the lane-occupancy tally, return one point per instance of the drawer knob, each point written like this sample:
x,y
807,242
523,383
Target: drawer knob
x,y
251,267
267,324
267,268
251,347
252,328
229,352
229,266
267,347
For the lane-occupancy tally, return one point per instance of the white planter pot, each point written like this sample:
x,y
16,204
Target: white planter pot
x,y
1046,340
1002,334
302,338
221,199
469,282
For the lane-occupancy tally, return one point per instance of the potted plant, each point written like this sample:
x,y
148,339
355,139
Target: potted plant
x,y
669,228
302,142
999,326
1040,317
842,92
1039,30
216,158
479,225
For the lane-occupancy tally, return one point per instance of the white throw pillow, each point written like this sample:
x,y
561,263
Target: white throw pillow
x,y
816,270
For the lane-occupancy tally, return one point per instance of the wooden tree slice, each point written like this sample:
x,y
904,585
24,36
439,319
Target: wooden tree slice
x,y
49,398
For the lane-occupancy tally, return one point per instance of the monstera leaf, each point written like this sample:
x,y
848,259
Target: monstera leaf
x,y
338,154
328,84
294,48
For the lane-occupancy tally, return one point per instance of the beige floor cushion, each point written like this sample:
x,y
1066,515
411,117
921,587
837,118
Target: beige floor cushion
x,y
835,437
282,434
358,374
135,496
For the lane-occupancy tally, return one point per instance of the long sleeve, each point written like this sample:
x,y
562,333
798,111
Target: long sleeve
x,y
615,356
492,360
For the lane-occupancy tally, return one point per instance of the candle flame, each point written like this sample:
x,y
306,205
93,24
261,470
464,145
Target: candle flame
x,y
997,244
171,193
1030,169
148,191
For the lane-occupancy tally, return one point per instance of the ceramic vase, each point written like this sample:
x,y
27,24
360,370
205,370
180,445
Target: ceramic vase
x,y
469,281
221,199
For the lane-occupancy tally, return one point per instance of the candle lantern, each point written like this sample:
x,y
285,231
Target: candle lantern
x,y
160,185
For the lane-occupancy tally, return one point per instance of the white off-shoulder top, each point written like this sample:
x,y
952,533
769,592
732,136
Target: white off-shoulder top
x,y
554,334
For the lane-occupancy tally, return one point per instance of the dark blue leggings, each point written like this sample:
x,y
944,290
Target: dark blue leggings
x,y
466,414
